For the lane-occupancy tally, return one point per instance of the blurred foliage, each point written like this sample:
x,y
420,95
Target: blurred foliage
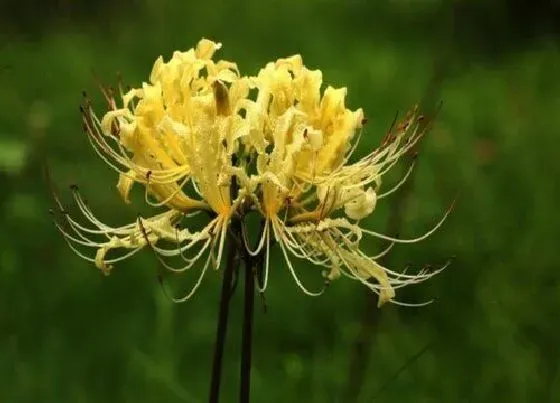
x,y
67,334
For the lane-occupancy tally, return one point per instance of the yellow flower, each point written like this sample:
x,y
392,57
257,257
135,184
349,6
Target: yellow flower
x,y
181,128
198,126
305,178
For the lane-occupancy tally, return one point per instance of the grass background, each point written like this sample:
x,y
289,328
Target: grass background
x,y
68,334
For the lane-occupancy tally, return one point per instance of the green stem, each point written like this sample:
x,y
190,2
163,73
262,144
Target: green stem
x,y
247,331
232,265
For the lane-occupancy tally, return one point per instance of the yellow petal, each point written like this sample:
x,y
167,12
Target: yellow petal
x,y
124,185
206,49
361,204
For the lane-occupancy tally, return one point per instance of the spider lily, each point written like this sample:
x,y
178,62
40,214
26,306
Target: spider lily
x,y
306,178
285,144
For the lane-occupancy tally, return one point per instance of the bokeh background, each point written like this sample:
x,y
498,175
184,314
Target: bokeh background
x,y
68,334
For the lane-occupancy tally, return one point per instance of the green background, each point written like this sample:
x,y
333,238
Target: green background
x,y
68,334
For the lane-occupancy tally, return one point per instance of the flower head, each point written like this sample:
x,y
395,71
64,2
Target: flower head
x,y
199,126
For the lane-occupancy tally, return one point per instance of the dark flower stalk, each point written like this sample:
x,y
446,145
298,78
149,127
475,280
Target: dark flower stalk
x,y
247,332
232,266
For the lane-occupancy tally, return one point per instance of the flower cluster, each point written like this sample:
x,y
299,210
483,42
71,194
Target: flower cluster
x,y
198,126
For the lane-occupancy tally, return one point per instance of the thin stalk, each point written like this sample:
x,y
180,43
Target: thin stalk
x,y
247,331
253,271
232,265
